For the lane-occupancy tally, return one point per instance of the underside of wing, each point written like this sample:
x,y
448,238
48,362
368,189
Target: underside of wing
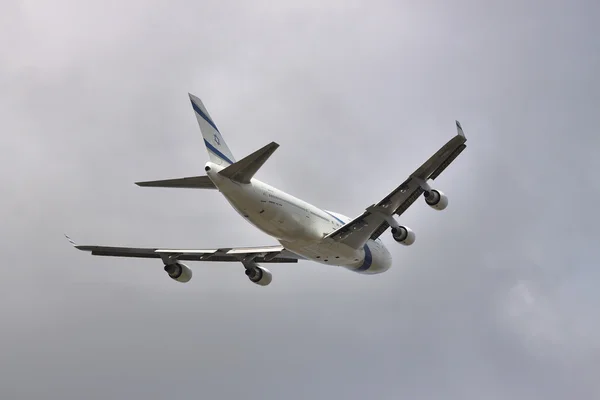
x,y
264,254
191,182
378,217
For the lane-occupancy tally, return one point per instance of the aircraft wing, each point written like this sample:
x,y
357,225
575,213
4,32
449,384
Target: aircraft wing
x,y
373,222
266,254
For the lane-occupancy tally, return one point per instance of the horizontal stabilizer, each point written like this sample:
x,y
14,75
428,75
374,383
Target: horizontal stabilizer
x,y
242,171
192,182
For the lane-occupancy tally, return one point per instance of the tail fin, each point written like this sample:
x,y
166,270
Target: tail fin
x,y
218,152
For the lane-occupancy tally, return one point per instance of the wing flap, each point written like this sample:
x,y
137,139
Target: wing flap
x,y
403,207
448,161
437,160
253,250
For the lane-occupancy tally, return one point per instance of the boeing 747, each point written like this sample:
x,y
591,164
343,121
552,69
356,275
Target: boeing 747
x,y
304,231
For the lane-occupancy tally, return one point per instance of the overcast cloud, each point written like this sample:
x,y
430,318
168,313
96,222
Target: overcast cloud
x,y
497,298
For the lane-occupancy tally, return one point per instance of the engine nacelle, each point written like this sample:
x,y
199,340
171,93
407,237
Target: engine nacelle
x,y
404,235
179,272
259,275
436,199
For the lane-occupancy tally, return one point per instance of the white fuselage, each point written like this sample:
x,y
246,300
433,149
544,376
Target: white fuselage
x,y
299,226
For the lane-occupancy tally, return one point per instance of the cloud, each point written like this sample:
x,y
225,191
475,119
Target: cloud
x,y
494,300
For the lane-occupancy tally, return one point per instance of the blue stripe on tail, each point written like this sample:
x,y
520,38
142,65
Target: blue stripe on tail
x,y
204,116
217,152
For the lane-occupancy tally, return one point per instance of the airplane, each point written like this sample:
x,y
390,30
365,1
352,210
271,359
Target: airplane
x,y
304,231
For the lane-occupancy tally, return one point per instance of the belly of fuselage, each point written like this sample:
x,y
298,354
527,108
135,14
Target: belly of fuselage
x,y
296,234
272,216
372,258
299,229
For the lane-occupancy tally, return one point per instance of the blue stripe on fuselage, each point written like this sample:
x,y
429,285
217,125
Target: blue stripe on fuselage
x,y
217,152
204,116
340,221
368,260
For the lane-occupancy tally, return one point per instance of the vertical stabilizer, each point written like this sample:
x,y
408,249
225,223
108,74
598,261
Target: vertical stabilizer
x,y
218,152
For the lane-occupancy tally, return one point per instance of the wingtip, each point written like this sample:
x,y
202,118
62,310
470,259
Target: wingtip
x,y
459,129
70,240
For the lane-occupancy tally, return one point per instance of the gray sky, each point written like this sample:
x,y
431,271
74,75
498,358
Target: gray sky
x,y
497,298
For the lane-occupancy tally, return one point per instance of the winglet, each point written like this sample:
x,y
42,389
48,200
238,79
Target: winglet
x,y
70,240
459,130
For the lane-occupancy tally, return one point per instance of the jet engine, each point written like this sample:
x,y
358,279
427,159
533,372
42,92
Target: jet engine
x,y
179,272
403,235
436,199
259,275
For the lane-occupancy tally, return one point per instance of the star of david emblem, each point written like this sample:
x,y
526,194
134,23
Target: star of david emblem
x,y
217,140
